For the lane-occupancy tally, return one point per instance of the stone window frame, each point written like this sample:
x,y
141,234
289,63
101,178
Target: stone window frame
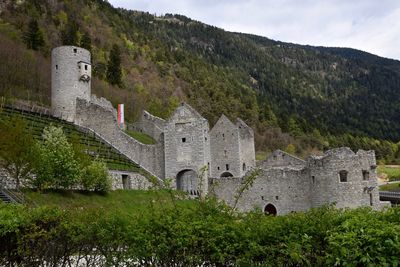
x,y
343,176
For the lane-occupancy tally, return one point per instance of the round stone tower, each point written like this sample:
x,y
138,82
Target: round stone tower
x,y
71,74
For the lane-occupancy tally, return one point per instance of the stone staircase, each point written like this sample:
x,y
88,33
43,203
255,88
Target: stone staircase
x,y
5,197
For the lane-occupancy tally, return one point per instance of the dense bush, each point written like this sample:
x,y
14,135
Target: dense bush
x,y
95,177
205,234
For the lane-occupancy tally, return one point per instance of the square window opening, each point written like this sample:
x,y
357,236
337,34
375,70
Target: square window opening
x,y
183,140
343,176
365,175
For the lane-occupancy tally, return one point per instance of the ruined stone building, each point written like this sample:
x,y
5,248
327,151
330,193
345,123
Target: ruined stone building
x,y
198,159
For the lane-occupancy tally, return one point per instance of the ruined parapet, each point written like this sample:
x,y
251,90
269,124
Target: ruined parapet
x,y
281,158
187,146
150,125
70,79
103,102
345,178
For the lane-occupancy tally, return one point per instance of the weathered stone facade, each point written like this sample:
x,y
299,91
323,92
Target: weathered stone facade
x,y
129,180
339,177
70,79
232,148
187,149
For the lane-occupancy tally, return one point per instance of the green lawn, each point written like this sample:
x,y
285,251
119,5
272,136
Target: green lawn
x,y
390,187
141,137
125,201
391,172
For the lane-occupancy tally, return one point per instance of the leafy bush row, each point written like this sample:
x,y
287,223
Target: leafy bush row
x,y
205,234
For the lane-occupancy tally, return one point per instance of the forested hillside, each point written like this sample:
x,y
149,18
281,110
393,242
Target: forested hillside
x,y
322,97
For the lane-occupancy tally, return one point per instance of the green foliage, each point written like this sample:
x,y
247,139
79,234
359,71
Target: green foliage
x,y
141,137
70,33
16,149
95,177
114,70
56,165
33,37
390,187
392,173
203,233
86,42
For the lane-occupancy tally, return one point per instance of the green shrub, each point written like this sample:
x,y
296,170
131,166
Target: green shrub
x,y
95,177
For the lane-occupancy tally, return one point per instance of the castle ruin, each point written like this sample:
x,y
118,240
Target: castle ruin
x,y
199,160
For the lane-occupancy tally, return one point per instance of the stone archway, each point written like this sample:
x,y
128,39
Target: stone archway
x,y
226,174
187,181
270,209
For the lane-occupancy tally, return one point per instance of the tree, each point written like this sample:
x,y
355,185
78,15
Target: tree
x,y
16,149
70,34
33,37
114,71
95,177
86,42
56,165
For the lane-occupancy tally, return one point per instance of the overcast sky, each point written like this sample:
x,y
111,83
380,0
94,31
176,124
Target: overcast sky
x,y
369,25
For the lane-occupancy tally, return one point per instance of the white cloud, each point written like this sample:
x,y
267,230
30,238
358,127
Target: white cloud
x,y
369,25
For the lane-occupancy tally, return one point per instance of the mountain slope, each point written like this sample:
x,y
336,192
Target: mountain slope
x,y
304,90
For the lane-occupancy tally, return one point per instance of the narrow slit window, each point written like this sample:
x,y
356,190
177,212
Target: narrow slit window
x,y
365,175
85,67
56,67
227,167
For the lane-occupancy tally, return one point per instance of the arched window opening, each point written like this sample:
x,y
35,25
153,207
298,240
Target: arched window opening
x,y
270,210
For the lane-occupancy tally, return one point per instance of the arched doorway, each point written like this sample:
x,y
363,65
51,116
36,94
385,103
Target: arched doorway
x,y
270,210
186,181
226,174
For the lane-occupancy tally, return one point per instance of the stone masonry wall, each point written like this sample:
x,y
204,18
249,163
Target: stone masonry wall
x,y
225,150
326,186
284,188
149,124
134,180
186,142
66,84
247,150
280,158
104,123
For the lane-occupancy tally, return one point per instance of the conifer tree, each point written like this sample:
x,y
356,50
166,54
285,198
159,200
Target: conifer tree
x,y
86,42
33,37
69,36
114,71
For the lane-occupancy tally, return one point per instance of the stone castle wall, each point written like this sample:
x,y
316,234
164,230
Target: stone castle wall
x,y
104,123
326,186
129,180
280,158
149,124
284,188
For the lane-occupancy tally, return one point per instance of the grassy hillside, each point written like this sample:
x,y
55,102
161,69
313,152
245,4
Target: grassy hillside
x,y
82,141
322,97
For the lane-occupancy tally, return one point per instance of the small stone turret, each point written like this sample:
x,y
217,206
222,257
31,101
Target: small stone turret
x,y
71,73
